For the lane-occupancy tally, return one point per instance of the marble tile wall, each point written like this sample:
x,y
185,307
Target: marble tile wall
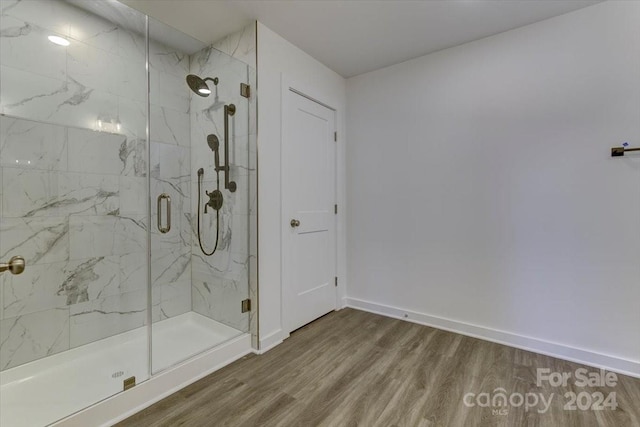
x,y
220,282
77,209
71,213
240,45
170,174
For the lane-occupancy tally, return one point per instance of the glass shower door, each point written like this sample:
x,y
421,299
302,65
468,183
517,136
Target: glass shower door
x,y
73,205
199,129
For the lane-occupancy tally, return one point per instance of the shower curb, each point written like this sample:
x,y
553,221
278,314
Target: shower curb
x,y
125,404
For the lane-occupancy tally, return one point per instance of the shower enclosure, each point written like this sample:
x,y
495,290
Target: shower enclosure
x,y
101,140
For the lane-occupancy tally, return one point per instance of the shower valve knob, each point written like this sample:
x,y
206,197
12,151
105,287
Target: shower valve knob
x,y
215,200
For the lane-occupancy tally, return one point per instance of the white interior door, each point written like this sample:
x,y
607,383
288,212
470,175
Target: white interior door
x,y
309,240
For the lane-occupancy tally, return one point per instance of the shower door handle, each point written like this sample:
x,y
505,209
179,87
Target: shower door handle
x,y
162,229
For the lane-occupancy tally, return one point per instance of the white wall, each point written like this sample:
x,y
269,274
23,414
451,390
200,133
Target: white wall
x,y
482,197
278,57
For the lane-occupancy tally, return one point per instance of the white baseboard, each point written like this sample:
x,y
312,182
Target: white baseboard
x,y
271,340
343,304
159,386
560,351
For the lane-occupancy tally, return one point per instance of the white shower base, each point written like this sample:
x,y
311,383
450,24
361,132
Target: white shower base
x,y
46,390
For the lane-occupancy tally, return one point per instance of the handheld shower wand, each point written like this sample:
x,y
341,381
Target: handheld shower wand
x,y
214,144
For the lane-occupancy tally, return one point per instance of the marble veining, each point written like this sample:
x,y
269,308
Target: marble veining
x,y
169,126
171,300
17,40
168,60
240,45
32,145
33,293
56,285
44,193
68,93
104,317
136,150
32,336
170,265
132,190
7,5
16,31
38,240
80,276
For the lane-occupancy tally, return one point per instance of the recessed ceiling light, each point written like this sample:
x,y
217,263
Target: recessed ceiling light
x,y
59,40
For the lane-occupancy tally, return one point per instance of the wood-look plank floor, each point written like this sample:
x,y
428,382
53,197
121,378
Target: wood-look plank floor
x,y
352,368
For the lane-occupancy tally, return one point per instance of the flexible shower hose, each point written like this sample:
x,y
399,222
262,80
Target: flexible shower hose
x,y
217,216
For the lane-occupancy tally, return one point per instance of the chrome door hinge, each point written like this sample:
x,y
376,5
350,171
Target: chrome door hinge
x,y
336,281
245,90
335,209
335,136
246,305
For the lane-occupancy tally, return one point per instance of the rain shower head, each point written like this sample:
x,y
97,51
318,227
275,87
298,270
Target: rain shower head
x,y
199,86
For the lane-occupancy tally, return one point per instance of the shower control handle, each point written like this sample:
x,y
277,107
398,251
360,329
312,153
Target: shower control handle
x,y
15,265
295,223
215,200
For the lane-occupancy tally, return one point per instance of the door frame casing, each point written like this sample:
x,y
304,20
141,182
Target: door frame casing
x,y
289,86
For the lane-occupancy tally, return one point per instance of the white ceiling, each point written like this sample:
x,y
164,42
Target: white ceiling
x,y
205,20
353,37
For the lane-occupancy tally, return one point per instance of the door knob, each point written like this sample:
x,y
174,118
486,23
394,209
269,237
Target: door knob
x,y
295,223
15,265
